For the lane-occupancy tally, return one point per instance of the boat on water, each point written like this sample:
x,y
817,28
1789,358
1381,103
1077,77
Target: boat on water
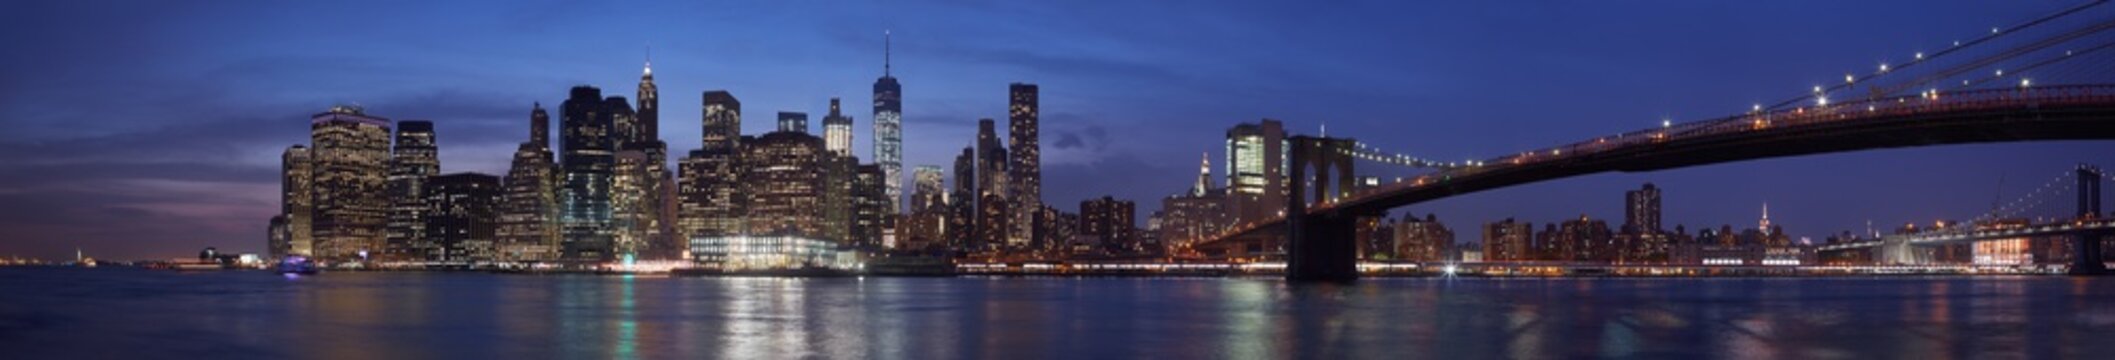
x,y
297,265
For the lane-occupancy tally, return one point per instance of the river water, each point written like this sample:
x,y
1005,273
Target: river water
x,y
121,313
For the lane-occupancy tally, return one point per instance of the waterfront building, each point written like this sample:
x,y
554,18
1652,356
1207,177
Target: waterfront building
x,y
962,204
1255,170
461,208
350,156
415,158
992,195
888,128
1110,222
712,189
296,203
528,211
871,217
784,181
1024,164
1508,240
769,252
1423,240
588,161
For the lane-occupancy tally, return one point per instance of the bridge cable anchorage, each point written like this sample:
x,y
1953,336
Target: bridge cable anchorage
x,y
1921,58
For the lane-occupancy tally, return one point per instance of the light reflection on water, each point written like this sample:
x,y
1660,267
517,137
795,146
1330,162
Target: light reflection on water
x,y
107,313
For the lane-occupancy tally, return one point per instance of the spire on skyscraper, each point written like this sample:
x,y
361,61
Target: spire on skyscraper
x,y
885,47
649,72
1204,176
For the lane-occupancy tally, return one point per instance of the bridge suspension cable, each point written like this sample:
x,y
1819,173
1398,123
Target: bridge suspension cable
x,y
2034,199
1921,58
1374,154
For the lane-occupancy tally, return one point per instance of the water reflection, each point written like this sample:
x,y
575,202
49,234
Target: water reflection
x,y
110,314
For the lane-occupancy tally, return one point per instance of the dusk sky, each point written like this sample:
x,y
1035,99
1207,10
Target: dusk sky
x,y
148,129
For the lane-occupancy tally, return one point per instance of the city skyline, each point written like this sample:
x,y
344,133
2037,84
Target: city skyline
x,y
1096,145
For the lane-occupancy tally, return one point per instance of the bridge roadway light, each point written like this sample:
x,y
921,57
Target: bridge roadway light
x,y
2024,82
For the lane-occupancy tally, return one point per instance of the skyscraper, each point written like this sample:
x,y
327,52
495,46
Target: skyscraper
x,y
869,209
1024,163
633,181
927,222
712,190
837,131
1255,166
528,210
929,187
962,217
785,184
791,121
350,153
416,158
296,203
888,128
631,206
1641,210
993,199
459,217
588,161
659,183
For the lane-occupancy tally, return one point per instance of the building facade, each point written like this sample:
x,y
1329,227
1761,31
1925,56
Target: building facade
x,y
415,158
1255,170
459,219
296,203
588,162
350,157
1024,163
528,210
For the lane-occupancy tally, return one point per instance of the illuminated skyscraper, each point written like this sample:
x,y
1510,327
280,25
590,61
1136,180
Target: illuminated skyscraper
x,y
962,203
296,203
792,121
712,190
888,128
461,208
588,160
658,182
927,222
869,205
993,199
929,187
416,158
630,205
350,153
837,131
1255,166
1024,163
528,209
785,184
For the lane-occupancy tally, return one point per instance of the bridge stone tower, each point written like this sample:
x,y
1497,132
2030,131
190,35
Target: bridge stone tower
x,y
1320,247
2087,259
